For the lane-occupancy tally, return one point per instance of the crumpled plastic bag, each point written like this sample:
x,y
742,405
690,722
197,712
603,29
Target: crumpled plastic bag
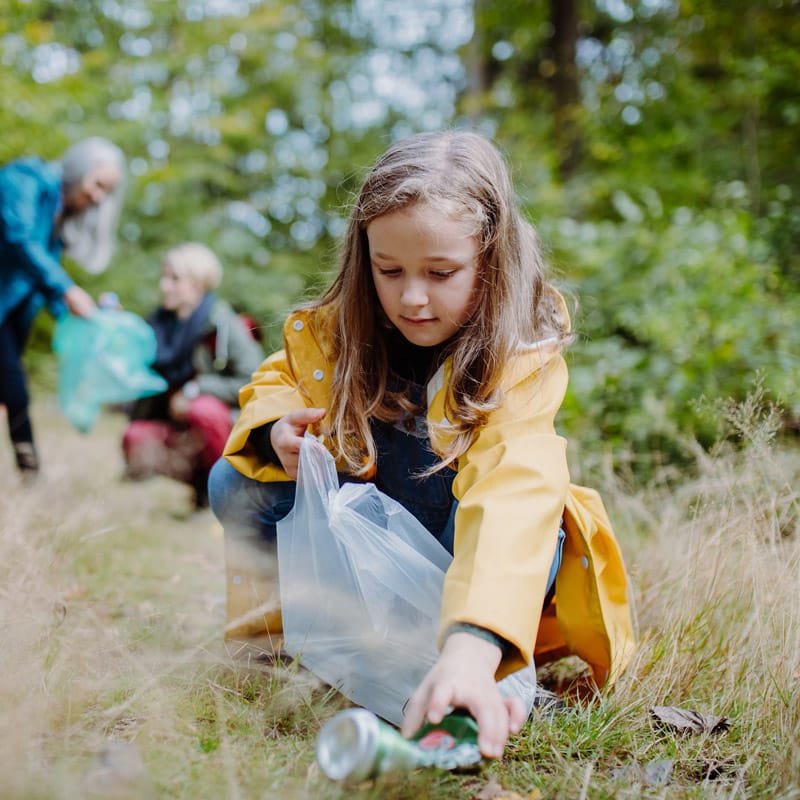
x,y
361,588
104,358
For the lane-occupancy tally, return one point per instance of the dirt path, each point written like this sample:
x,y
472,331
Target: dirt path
x,y
128,550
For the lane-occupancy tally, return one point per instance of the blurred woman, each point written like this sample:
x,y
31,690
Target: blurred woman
x,y
206,352
69,206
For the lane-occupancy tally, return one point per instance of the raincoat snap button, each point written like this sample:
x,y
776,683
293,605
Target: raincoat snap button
x,y
318,374
298,325
585,562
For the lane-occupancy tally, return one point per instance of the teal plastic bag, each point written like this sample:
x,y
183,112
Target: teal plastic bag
x,y
104,358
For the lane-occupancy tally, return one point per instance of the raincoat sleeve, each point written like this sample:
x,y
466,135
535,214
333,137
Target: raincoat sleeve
x,y
297,377
26,236
511,487
271,394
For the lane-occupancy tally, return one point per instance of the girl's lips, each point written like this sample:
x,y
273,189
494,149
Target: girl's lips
x,y
418,321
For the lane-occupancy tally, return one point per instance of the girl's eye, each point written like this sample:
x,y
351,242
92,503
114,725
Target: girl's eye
x,y
443,274
389,271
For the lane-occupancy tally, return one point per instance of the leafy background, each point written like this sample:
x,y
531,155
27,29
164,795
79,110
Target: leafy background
x,y
653,143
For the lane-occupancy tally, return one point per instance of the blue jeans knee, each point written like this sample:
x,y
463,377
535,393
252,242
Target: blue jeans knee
x,y
247,506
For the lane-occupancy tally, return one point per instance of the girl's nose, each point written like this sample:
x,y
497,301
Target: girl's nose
x,y
414,294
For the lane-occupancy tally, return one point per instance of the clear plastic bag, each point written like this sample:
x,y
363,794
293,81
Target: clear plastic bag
x,y
361,587
104,358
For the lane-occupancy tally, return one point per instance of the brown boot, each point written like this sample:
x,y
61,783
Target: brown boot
x,y
253,605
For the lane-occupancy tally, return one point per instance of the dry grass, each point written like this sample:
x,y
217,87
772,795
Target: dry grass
x,y
114,681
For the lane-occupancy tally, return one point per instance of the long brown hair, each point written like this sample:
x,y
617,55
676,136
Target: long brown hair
x,y
462,173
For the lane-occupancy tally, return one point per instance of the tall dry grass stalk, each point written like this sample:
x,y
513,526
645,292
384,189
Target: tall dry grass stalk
x,y
715,558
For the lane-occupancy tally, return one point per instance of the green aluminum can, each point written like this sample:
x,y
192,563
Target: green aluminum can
x,y
356,745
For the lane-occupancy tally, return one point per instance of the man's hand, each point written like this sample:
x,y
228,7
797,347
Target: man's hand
x,y
287,434
463,677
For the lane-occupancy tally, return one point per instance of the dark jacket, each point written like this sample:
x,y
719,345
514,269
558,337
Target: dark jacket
x,y
224,357
30,246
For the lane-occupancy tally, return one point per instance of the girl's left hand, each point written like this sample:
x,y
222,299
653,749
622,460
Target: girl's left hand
x,y
463,677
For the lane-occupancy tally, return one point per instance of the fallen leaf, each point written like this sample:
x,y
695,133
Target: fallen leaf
x,y
492,790
689,721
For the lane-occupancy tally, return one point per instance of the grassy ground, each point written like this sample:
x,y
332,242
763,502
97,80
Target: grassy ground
x,y
114,681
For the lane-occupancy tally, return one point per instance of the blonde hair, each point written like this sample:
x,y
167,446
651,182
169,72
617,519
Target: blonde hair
x,y
463,174
89,236
196,261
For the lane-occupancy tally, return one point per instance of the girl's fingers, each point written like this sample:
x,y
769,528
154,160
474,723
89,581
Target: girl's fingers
x,y
516,713
492,728
302,418
415,715
439,700
287,436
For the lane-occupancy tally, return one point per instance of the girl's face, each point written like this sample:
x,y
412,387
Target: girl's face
x,y
179,293
96,184
425,268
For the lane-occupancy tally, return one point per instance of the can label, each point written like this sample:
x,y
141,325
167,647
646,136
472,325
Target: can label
x,y
451,744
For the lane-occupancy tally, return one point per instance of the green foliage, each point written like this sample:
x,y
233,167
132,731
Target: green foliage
x,y
248,125
679,233
671,310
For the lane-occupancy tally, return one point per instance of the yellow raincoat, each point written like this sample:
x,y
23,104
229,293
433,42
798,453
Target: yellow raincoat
x,y
512,487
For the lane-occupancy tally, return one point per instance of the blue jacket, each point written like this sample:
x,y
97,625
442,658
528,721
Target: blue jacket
x,y
30,247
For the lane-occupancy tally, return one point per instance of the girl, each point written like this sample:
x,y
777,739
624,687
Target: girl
x,y
206,353
74,205
433,366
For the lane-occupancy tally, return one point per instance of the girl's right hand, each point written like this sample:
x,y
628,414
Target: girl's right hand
x,y
463,677
287,434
